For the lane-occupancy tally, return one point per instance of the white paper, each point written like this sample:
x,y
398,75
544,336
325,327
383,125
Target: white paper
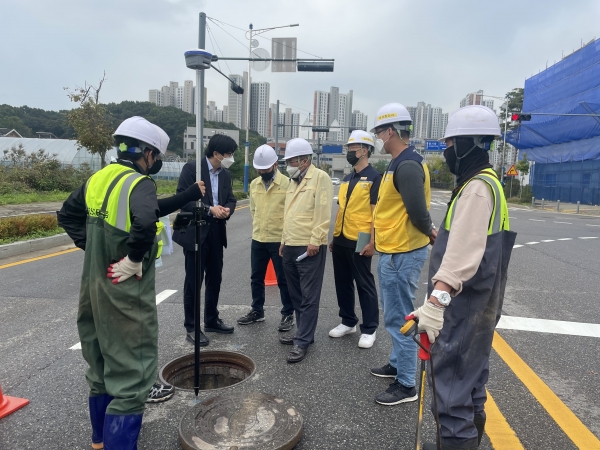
x,y
301,257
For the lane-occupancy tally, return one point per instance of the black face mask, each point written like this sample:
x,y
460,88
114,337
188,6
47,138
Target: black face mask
x,y
352,159
450,157
155,167
267,176
472,161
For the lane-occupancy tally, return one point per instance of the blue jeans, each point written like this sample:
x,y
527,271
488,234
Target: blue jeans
x,y
399,276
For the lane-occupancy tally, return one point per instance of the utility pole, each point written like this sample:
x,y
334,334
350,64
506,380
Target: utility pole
x,y
277,130
200,99
248,97
504,146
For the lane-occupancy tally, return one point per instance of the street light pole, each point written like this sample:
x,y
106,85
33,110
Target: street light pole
x,y
504,146
247,148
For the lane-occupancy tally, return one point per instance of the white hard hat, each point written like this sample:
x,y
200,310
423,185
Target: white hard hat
x,y
139,128
297,147
391,113
264,157
472,120
164,140
361,137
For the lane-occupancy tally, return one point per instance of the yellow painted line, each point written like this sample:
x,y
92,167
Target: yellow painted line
x,y
242,207
581,436
50,255
497,428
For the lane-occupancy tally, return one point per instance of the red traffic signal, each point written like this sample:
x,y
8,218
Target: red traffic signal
x,y
521,117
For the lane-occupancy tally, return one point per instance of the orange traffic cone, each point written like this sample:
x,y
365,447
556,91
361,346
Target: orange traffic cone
x,y
8,405
270,278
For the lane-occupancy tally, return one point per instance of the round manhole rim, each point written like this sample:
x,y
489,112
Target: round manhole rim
x,y
212,356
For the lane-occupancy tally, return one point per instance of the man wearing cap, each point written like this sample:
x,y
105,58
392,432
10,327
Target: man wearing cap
x,y
267,201
357,198
403,230
219,196
467,278
304,241
113,217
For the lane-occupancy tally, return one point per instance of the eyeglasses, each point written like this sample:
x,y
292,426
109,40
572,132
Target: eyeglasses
x,y
378,132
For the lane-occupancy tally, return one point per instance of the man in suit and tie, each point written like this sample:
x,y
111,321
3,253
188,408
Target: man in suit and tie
x,y
219,196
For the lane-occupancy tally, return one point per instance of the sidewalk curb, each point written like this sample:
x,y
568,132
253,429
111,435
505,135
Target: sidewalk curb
x,y
33,245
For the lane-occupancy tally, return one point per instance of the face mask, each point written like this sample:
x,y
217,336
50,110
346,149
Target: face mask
x,y
267,176
293,172
155,167
352,159
450,158
379,147
227,162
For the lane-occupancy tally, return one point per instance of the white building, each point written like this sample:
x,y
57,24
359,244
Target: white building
x,y
236,103
477,98
291,121
259,107
211,109
320,112
429,122
156,97
181,97
189,138
359,120
340,110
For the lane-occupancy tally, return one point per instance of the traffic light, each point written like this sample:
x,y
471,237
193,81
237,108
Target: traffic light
x,y
320,129
521,117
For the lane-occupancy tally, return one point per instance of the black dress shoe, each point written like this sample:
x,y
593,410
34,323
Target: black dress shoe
x,y
297,354
289,340
218,327
203,342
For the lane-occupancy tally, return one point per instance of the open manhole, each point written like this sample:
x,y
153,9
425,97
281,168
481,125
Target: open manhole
x,y
218,369
251,421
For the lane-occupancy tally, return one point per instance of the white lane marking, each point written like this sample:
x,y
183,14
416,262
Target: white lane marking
x,y
590,225
549,326
513,218
568,223
589,237
159,299
548,240
164,295
335,198
531,243
437,209
565,239
517,246
537,220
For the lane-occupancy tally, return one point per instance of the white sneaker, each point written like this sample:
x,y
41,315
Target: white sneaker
x,y
367,340
342,330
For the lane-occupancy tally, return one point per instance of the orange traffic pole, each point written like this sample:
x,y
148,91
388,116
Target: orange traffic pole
x,y
9,405
270,277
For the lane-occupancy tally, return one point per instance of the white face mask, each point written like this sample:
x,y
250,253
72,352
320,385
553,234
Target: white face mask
x,y
227,162
379,147
293,172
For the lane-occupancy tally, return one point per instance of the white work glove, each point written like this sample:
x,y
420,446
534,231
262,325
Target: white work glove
x,y
431,320
124,269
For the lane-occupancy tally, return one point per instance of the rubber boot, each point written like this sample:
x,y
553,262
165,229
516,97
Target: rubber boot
x,y
98,405
479,422
121,432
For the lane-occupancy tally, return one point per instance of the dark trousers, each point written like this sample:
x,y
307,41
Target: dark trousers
x,y
260,254
212,267
304,279
349,268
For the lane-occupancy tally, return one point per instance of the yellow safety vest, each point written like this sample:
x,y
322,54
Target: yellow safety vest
x,y
107,196
355,213
394,232
499,221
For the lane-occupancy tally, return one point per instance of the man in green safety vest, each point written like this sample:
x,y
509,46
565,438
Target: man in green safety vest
x,y
467,277
113,217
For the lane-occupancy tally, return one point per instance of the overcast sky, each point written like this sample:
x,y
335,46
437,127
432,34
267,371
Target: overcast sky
x,y
385,50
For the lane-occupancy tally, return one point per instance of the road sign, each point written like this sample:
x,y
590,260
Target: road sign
x,y
512,172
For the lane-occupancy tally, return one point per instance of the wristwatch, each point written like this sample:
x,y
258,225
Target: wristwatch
x,y
442,297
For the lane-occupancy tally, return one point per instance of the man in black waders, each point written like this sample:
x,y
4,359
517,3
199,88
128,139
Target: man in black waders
x,y
357,199
467,271
113,217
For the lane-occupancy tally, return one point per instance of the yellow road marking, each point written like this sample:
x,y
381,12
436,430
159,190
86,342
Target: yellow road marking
x,y
562,415
50,255
497,428
242,207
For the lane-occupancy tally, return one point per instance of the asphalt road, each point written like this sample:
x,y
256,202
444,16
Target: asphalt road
x,y
332,388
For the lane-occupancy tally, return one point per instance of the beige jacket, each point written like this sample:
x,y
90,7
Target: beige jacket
x,y
468,236
266,208
308,209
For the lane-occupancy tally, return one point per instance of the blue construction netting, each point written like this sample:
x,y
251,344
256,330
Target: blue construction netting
x,y
567,182
571,86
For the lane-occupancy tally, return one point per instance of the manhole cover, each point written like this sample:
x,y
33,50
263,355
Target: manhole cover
x,y
218,369
241,421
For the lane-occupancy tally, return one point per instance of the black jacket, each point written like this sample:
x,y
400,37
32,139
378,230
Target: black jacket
x,y
185,237
144,209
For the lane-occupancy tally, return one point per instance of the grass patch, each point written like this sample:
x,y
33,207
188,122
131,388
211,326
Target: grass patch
x,y
33,226
166,187
17,198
